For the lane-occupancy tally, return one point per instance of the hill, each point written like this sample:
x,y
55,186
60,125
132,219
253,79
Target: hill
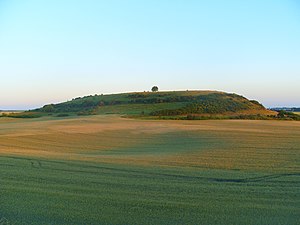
x,y
175,104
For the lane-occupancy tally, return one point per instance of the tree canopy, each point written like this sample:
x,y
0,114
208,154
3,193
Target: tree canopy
x,y
154,89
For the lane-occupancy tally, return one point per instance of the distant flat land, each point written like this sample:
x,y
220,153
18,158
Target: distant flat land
x,y
112,170
298,113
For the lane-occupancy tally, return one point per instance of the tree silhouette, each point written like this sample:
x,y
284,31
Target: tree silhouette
x,y
154,89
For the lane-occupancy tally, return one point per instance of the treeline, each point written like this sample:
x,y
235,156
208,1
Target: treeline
x,y
245,117
287,109
286,116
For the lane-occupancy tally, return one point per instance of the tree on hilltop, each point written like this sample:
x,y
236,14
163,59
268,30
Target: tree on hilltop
x,y
154,89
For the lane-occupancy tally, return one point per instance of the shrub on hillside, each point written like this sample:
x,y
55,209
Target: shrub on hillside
x,y
48,108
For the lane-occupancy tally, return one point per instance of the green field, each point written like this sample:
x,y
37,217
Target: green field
x,y
112,170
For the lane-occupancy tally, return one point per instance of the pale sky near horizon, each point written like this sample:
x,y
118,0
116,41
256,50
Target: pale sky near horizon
x,y
52,51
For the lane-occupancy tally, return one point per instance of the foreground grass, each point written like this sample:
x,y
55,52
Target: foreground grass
x,y
108,170
64,192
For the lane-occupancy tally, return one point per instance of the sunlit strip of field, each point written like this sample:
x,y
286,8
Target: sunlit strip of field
x,y
248,145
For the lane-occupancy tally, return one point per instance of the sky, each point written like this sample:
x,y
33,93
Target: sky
x,y
52,50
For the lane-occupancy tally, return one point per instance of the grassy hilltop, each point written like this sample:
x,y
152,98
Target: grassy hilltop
x,y
175,104
191,105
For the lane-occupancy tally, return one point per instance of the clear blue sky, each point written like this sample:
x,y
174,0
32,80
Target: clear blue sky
x,y
52,51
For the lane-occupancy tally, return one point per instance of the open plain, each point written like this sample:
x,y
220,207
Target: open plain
x,y
106,169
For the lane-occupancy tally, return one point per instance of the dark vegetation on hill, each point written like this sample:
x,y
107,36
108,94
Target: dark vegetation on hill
x,y
167,103
163,105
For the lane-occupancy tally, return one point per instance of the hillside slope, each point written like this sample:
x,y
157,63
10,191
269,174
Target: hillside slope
x,y
172,104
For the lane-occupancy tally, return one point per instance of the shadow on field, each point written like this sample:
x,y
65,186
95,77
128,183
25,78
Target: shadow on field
x,y
255,179
36,164
72,167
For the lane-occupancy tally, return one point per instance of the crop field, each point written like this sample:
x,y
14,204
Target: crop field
x,y
106,169
9,112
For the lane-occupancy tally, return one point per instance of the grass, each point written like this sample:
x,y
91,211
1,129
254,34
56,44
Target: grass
x,y
137,109
112,170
